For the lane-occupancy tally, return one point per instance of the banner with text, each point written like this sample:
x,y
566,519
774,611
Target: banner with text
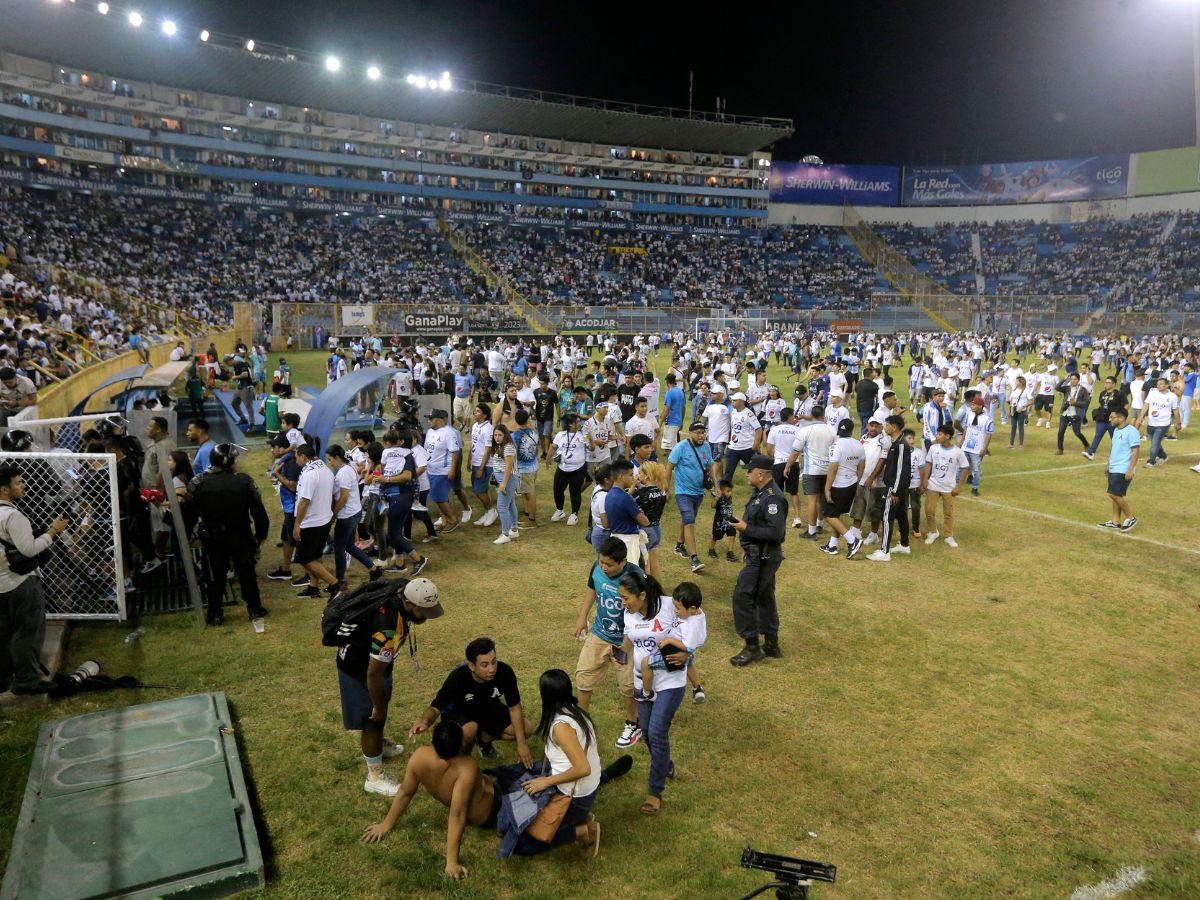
x,y
1039,181
797,182
1167,172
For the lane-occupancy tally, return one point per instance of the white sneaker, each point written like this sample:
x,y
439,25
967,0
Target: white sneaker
x,y
391,749
514,534
932,537
439,522
492,516
880,556
1196,468
482,520
796,523
951,542
558,516
420,507
383,784
573,519
503,539
630,735
871,538
902,550
466,516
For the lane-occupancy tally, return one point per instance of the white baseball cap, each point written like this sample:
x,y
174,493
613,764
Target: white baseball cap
x,y
423,594
738,396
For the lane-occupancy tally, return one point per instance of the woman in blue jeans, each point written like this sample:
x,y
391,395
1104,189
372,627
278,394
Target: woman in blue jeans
x,y
397,482
649,618
504,473
347,510
569,737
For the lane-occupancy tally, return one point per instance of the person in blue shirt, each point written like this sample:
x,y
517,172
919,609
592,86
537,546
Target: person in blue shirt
x,y
1122,463
197,433
625,517
525,439
464,393
285,472
1189,393
687,466
673,406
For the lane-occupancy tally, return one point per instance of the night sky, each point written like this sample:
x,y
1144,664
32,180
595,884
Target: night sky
x,y
884,82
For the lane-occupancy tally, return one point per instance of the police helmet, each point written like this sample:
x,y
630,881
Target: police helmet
x,y
223,456
16,441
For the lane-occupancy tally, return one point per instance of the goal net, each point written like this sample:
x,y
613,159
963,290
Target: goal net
x,y
84,577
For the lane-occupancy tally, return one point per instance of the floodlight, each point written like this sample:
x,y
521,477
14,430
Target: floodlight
x,y
420,81
250,45
444,83
168,28
411,79
102,8
332,63
373,73
135,19
204,36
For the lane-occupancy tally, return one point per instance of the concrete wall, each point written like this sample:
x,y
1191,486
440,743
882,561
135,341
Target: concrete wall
x,y
58,399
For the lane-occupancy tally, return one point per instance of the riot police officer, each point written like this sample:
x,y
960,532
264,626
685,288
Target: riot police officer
x,y
761,530
228,504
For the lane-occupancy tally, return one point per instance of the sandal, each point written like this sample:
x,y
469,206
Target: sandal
x,y
652,806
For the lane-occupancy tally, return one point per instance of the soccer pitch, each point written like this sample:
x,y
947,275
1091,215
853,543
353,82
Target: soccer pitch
x,y
1013,717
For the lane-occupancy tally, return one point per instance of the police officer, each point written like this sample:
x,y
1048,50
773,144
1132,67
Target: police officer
x,y
761,530
228,502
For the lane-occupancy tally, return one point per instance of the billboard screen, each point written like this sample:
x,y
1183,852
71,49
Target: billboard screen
x,y
797,182
1167,172
1038,181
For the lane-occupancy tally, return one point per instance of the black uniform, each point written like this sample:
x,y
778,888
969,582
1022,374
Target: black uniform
x,y
897,475
228,503
754,610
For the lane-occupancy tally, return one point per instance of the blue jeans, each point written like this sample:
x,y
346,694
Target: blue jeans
x,y
655,721
506,503
598,536
1018,425
976,462
576,814
733,457
1157,433
1102,428
343,543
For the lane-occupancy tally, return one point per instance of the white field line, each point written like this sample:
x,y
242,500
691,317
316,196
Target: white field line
x,y
1125,879
1063,521
1090,465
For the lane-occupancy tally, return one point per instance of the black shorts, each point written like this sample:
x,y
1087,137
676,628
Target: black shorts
x,y
356,703
791,484
842,498
312,543
814,485
1117,485
1044,401
720,530
285,533
492,721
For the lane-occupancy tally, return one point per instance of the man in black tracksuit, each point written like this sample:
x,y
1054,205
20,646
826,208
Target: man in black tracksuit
x,y
228,504
761,530
897,472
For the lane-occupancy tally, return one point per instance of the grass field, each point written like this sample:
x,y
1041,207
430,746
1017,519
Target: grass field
x,y
1015,717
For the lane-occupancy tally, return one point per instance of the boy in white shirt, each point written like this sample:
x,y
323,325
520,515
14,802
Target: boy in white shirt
x,y
945,469
693,628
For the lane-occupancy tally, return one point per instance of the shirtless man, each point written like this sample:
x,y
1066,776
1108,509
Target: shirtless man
x,y
454,780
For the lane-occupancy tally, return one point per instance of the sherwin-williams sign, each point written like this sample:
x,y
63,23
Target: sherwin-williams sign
x,y
796,182
1037,181
1167,171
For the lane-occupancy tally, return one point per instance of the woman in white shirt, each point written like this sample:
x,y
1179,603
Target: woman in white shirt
x,y
600,533
1018,404
569,736
504,458
570,454
347,510
649,618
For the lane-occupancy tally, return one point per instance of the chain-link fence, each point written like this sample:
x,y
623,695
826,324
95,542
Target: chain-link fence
x,y
84,576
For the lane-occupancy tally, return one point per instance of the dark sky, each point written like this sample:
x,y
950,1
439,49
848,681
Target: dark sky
x,y
886,82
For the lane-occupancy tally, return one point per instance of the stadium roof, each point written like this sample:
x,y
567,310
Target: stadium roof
x,y
81,39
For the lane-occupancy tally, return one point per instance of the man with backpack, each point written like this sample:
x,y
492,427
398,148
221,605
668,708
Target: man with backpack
x,y
369,626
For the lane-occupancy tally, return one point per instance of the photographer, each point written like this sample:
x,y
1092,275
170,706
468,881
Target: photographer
x,y
22,603
228,503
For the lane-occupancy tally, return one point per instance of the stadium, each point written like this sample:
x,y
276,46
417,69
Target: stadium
x,y
233,269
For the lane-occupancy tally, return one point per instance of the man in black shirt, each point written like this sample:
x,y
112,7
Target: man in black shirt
x,y
866,397
482,694
545,401
627,395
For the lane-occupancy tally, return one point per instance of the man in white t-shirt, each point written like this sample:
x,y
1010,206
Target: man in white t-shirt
x,y
481,453
1159,412
1043,398
444,446
835,412
745,434
815,442
716,414
641,422
846,464
314,520
946,467
779,443
978,426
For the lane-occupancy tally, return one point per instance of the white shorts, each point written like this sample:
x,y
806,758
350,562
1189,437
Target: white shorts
x,y
462,407
670,436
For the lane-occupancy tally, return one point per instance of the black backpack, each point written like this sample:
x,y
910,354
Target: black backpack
x,y
345,613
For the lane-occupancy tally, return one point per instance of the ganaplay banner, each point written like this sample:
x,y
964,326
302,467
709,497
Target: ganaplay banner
x,y
1037,181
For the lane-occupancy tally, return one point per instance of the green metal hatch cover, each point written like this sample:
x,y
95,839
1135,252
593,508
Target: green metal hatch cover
x,y
144,801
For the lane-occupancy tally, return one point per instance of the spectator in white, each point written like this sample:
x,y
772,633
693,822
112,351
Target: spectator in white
x,y
815,441
444,446
598,434
16,393
780,440
570,457
179,352
847,460
481,471
1043,401
1159,412
22,602
978,427
641,423
835,412
716,414
347,509
314,520
946,467
745,435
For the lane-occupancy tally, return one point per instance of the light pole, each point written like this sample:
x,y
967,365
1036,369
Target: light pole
x,y
1196,65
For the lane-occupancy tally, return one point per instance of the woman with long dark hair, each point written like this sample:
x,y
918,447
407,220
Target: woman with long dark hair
x,y
504,460
649,618
397,482
570,455
569,736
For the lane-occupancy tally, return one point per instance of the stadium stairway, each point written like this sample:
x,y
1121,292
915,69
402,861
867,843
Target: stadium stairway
x,y
538,321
